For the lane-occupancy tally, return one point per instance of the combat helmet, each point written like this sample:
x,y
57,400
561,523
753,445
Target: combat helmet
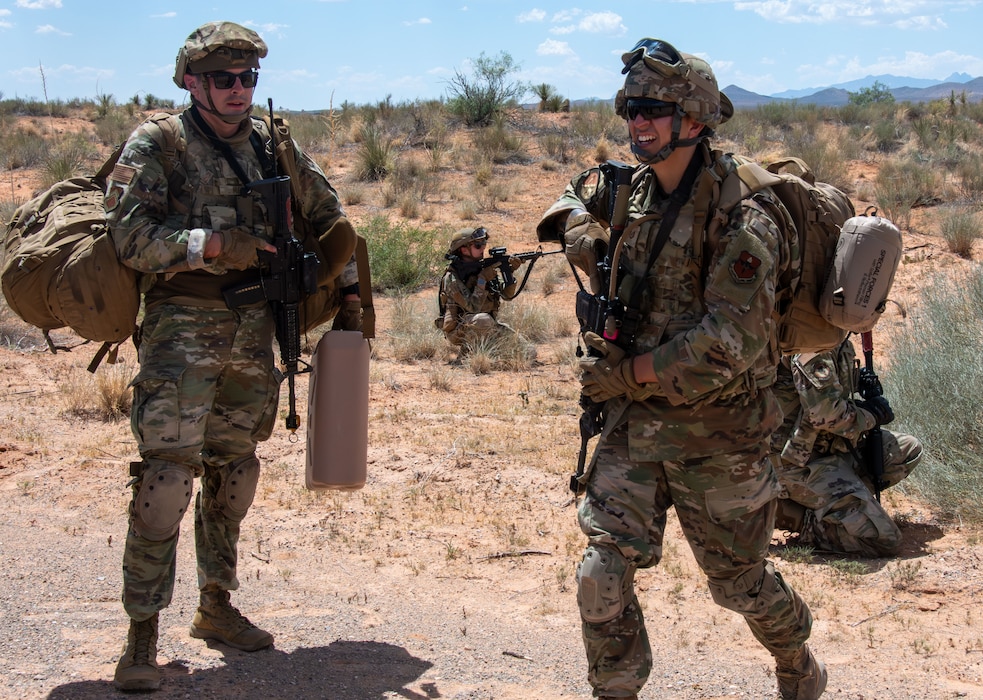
x,y
465,237
218,46
659,76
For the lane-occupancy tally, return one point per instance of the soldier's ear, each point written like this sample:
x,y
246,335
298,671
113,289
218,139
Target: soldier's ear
x,y
190,81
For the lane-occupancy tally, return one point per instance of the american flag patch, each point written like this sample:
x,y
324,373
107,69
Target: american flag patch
x,y
123,174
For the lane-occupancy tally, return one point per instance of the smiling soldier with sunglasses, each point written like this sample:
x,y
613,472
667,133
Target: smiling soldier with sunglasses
x,y
182,212
682,376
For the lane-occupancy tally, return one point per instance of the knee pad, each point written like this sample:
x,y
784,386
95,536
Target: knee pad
x,y
161,501
604,583
239,480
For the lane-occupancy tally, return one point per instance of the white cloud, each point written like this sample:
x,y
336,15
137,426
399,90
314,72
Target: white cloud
x,y
534,15
566,16
422,20
50,29
268,29
39,4
908,14
602,23
164,15
550,47
568,22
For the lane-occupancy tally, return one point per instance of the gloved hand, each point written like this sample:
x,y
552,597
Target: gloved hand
x,y
879,408
349,316
515,263
489,273
610,374
586,242
239,248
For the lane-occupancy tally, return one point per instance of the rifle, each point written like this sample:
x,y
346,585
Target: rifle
x,y
286,277
500,256
869,388
602,313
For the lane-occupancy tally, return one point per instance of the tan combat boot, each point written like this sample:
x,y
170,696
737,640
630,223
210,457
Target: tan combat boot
x,y
218,619
137,667
801,678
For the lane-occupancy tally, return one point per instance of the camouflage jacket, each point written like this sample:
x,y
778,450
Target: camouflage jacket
x,y
816,391
160,211
706,315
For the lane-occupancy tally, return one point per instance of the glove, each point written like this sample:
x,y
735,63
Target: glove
x,y
609,375
349,317
489,273
586,242
515,263
878,407
239,248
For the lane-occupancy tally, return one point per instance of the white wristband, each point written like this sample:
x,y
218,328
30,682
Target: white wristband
x,y
197,238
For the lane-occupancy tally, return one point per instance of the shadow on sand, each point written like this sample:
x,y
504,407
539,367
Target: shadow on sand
x,y
343,670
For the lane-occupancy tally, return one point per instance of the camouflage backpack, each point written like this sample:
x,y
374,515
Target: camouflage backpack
x,y
60,266
848,262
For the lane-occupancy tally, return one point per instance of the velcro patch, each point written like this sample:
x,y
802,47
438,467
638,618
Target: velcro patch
x,y
743,267
123,174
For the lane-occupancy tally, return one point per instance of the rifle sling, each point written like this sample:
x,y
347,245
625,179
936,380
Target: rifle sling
x,y
677,199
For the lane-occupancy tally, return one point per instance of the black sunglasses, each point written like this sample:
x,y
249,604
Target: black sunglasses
x,y
649,109
224,80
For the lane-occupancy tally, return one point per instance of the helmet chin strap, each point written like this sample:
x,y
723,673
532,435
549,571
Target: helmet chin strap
x,y
646,158
227,118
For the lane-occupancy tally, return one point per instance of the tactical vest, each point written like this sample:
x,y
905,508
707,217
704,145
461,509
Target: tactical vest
x,y
672,300
210,196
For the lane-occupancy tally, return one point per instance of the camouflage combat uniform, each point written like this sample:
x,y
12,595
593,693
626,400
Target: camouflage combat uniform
x,y
471,310
207,389
827,494
700,443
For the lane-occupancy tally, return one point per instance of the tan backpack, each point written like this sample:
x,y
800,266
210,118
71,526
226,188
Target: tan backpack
x,y
60,266
819,211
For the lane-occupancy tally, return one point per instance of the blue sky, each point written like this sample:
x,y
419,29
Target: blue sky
x,y
326,52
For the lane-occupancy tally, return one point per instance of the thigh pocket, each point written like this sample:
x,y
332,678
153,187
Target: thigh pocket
x,y
736,501
156,412
267,417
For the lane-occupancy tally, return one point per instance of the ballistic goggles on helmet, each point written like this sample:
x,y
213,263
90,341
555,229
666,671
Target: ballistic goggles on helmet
x,y
479,237
658,55
224,80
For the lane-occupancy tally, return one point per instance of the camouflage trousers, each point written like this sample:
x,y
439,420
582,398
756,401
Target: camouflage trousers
x,y
836,508
205,395
726,508
473,327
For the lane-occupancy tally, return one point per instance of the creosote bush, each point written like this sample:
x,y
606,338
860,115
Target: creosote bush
x,y
936,379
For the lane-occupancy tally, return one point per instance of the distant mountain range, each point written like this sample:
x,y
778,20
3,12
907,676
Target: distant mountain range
x,y
904,90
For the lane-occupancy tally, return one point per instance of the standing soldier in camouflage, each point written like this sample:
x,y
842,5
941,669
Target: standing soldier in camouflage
x,y
471,295
827,492
207,389
687,404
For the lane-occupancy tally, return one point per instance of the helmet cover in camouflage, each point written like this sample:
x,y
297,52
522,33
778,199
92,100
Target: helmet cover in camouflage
x,y
656,71
218,46
465,236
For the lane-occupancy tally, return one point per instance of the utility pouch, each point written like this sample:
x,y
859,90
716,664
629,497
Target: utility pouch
x,y
245,294
589,312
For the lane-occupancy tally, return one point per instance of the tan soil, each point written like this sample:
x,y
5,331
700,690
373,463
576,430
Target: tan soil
x,y
450,575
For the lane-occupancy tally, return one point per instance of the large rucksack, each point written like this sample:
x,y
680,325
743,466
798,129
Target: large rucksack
x,y
848,262
60,266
